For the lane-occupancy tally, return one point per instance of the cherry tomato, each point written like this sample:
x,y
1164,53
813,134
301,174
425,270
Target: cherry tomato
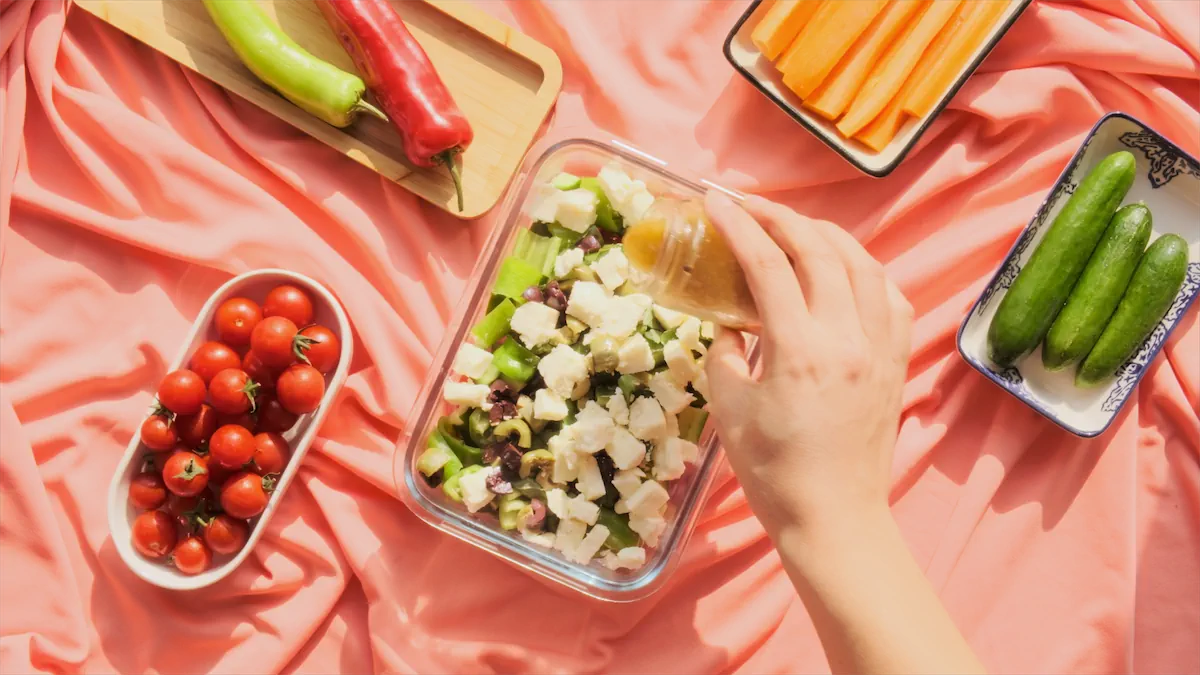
x,y
147,491
273,341
289,302
246,420
232,391
182,392
320,346
272,416
211,358
300,389
236,319
231,446
245,495
179,506
191,556
271,451
186,473
195,429
258,371
217,475
158,433
154,533
225,534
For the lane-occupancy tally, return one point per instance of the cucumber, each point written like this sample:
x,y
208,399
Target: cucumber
x,y
1041,288
1100,288
1153,288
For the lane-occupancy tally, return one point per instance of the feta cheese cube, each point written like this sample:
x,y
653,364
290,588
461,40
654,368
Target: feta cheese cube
x,y
525,408
549,406
590,546
583,510
546,209
680,362
625,450
567,261
472,361
566,460
631,557
621,507
621,317
593,428
669,318
646,420
671,428
668,463
558,502
475,493
612,268
635,355
649,529
628,481
589,483
689,335
576,209
468,394
688,450
672,397
569,535
643,301
617,184
619,409
708,330
543,539
637,204
563,369
588,302
648,500
535,323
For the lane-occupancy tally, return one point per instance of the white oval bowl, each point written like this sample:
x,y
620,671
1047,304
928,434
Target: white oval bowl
x,y
254,285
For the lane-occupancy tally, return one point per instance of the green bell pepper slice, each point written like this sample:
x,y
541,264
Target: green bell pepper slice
x,y
495,324
619,533
467,454
515,363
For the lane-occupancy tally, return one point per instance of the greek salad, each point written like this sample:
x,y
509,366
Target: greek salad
x,y
578,400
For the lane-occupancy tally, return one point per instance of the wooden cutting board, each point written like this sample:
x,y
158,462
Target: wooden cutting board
x,y
505,82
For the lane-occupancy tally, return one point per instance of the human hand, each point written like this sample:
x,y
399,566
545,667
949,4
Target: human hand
x,y
810,436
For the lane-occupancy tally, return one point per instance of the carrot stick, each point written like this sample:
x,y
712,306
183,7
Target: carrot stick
x,y
978,17
823,42
781,25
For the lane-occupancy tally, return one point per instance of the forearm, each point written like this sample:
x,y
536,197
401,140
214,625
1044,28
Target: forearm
x,y
874,610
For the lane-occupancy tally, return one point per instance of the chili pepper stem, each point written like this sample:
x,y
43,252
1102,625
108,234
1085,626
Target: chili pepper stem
x,y
447,158
366,107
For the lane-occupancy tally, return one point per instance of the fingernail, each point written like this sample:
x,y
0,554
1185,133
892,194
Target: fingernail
x,y
719,201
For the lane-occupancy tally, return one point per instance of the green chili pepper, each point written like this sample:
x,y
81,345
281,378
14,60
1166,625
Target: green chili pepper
x,y
565,181
515,363
438,455
627,384
516,426
606,218
528,487
619,534
317,87
509,508
479,427
495,324
469,455
515,277
691,423
452,488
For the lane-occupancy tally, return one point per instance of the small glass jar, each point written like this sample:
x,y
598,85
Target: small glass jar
x,y
684,264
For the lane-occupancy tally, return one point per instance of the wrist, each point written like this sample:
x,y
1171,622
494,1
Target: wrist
x,y
828,536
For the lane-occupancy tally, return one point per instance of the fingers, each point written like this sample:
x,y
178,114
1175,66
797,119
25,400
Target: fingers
x,y
768,273
867,281
821,271
728,371
901,323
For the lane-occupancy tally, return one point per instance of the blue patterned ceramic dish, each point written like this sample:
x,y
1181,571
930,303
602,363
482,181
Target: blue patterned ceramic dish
x,y
1168,181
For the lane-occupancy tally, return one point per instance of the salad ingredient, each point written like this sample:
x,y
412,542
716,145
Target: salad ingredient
x,y
894,68
880,131
245,494
270,454
225,535
978,17
185,473
236,319
274,342
231,446
1043,284
315,86
272,416
401,76
258,371
154,534
1104,279
211,358
191,556
1151,291
832,98
318,347
290,302
180,506
233,392
182,392
245,420
147,490
824,40
781,25
300,389
494,324
159,432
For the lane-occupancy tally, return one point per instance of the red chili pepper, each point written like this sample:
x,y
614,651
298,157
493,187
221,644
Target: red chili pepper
x,y
400,74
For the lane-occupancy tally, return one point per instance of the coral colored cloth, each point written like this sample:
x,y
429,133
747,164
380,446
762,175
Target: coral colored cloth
x,y
131,188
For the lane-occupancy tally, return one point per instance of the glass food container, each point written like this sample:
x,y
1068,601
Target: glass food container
x,y
580,156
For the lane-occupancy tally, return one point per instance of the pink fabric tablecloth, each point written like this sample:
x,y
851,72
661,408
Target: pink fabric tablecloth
x,y
131,188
